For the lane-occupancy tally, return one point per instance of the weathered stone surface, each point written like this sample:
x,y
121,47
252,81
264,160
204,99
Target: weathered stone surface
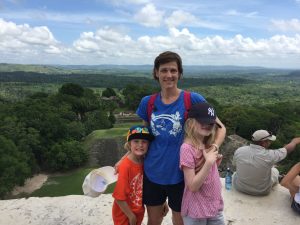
x,y
239,209
106,152
231,143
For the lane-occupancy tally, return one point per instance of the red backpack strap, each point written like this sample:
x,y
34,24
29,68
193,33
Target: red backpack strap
x,y
187,103
150,106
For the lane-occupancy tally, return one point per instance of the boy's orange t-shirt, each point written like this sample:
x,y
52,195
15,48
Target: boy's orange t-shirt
x,y
129,188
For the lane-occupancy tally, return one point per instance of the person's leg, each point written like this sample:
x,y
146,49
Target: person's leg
x,y
154,197
274,176
155,214
291,180
217,220
191,221
175,193
177,218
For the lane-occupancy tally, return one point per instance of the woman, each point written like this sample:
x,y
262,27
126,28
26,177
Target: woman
x,y
163,178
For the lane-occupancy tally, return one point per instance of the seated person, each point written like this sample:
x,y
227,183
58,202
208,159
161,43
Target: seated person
x,y
292,182
255,173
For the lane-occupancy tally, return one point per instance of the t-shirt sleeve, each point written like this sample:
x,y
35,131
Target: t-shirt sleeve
x,y
142,109
186,157
196,98
122,186
278,155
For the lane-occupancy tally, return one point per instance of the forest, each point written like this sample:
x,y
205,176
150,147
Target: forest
x,y
45,117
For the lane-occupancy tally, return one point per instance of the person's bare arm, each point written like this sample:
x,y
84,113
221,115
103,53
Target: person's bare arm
x,y
220,133
127,211
289,180
292,145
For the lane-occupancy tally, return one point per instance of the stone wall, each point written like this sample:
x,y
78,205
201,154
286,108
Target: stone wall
x,y
239,209
106,152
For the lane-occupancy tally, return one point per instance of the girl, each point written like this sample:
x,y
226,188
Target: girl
x,y
128,207
202,202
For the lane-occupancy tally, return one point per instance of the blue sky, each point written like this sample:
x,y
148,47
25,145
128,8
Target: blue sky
x,y
220,32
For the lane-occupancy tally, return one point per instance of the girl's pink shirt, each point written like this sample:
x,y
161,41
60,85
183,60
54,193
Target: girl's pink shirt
x,y
207,201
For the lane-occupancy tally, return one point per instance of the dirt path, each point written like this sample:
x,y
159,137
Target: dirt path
x,y
31,184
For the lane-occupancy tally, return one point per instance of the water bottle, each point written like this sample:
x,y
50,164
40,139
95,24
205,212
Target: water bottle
x,y
228,179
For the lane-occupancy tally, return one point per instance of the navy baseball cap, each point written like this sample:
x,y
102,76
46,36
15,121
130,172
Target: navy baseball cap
x,y
204,113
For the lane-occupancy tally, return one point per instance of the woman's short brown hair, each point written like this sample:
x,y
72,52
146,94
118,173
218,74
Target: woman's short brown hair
x,y
167,57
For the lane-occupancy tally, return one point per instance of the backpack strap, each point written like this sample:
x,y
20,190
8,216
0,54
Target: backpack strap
x,y
186,99
187,103
150,106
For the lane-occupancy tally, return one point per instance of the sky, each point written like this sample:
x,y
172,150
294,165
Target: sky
x,y
133,32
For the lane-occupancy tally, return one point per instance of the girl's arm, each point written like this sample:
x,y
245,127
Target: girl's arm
x,y
194,181
127,211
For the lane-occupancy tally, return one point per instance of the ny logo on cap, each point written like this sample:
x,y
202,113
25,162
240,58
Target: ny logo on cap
x,y
211,112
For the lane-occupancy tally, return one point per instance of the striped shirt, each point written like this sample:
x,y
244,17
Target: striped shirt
x,y
207,201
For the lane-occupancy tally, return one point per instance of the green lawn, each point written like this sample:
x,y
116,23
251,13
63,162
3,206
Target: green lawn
x,y
69,184
116,131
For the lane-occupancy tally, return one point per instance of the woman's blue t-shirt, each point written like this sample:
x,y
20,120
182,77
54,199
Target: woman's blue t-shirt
x,y
161,163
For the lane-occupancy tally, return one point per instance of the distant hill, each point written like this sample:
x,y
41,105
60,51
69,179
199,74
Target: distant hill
x,y
142,70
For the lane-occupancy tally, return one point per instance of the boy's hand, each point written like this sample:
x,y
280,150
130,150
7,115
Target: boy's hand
x,y
132,219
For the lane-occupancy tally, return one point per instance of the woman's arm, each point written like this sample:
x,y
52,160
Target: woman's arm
x,y
220,133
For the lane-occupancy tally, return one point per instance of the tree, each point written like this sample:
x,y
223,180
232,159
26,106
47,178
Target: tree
x,y
66,155
72,89
134,93
13,166
108,92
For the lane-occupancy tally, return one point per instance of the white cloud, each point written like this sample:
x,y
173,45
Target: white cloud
x,y
121,2
25,44
149,16
180,17
292,25
234,12
186,19
13,36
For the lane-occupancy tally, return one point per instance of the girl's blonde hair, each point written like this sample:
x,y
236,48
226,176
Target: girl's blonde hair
x,y
190,132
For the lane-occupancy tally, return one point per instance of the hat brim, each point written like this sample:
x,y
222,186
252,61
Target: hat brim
x,y
145,136
271,138
209,121
97,181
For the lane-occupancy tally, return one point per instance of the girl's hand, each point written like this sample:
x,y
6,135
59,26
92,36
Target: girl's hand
x,y
211,156
219,159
